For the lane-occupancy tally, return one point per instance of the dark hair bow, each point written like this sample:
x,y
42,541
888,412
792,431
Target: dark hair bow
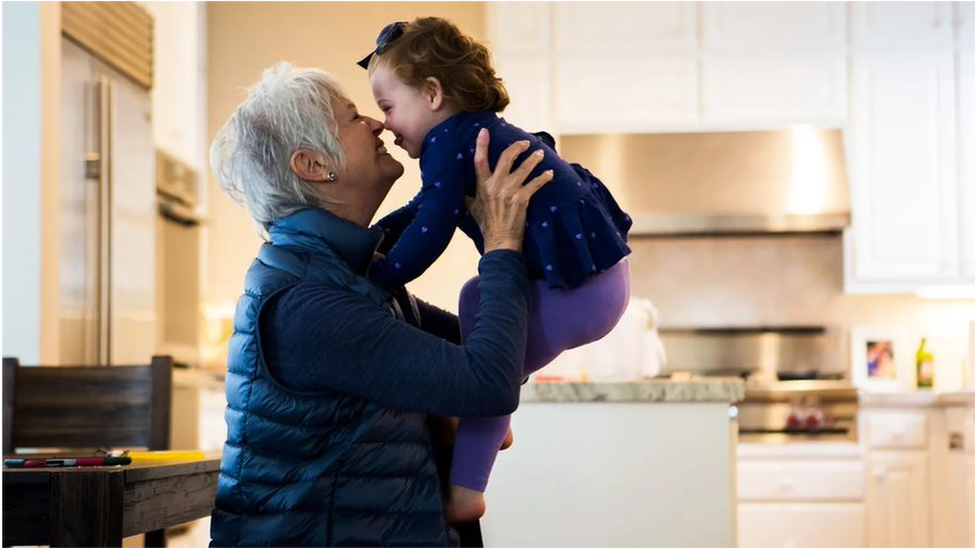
x,y
389,33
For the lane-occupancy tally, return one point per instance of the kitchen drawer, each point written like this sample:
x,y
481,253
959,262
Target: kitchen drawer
x,y
801,480
897,429
802,525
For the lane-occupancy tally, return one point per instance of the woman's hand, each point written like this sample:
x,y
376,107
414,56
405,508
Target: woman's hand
x,y
500,204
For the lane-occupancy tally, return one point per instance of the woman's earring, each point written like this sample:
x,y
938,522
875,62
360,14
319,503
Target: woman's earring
x,y
331,176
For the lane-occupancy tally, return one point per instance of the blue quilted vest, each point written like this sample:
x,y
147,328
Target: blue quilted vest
x,y
321,469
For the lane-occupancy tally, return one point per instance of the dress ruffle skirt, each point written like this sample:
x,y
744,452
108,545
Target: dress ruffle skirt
x,y
567,243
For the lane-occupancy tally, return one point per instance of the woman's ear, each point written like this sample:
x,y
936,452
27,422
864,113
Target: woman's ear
x,y
434,93
309,165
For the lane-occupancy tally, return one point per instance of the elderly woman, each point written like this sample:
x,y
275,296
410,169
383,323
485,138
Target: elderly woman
x,y
330,379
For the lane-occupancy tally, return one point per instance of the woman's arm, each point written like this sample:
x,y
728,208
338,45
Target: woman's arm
x,y
429,318
316,338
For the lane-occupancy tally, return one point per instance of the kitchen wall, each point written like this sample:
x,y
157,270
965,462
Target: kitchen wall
x,y
245,38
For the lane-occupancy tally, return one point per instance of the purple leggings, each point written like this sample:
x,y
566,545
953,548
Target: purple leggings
x,y
558,320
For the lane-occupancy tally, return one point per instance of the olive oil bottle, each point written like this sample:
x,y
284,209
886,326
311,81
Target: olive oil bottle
x,y
924,367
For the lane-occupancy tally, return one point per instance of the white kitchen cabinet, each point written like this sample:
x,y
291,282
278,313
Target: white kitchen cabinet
x,y
801,525
626,93
801,495
801,480
518,28
901,145
898,499
613,28
759,26
905,26
527,79
897,429
965,101
773,90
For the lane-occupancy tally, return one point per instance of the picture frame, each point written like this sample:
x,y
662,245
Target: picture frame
x,y
881,361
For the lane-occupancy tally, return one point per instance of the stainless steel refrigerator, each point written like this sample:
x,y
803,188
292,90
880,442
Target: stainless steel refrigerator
x,y
107,308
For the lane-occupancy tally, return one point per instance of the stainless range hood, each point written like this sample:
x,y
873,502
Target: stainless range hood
x,y
722,183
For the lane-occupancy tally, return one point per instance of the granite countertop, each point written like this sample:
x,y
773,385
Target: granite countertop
x,y
713,389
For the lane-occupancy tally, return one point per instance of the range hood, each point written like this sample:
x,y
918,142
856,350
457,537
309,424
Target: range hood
x,y
722,183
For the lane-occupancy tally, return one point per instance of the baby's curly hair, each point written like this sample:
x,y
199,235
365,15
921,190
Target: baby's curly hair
x,y
435,47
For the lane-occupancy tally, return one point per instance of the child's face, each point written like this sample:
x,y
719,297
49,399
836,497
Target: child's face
x,y
409,112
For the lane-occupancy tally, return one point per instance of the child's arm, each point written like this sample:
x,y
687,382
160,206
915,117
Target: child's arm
x,y
438,207
395,222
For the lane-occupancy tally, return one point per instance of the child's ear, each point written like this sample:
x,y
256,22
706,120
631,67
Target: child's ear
x,y
434,93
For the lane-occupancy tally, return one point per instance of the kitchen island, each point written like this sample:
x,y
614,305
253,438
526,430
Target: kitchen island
x,y
618,464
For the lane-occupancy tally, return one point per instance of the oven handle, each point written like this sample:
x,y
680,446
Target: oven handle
x,y
173,213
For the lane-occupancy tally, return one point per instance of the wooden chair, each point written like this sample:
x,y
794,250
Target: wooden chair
x,y
88,407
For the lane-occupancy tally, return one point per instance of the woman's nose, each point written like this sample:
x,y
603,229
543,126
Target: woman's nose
x,y
377,126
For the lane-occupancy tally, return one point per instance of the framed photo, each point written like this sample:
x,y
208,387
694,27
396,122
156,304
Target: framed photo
x,y
880,361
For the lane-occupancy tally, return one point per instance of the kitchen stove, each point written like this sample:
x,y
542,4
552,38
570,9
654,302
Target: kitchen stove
x,y
798,410
797,386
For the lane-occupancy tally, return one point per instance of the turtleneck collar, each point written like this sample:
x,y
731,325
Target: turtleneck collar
x,y
313,227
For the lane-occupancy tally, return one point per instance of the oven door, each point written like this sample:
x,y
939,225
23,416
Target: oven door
x,y
177,260
799,412
178,299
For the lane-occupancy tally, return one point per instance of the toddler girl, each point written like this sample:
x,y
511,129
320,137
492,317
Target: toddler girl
x,y
437,90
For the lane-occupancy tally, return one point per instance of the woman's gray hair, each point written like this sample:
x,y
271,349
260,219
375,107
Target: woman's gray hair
x,y
288,109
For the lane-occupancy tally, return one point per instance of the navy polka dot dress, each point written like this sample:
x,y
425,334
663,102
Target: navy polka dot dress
x,y
574,227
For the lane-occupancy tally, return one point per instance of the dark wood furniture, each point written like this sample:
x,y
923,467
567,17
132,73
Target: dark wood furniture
x,y
98,506
83,408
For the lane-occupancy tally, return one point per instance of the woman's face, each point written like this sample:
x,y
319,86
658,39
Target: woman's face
x,y
370,171
408,112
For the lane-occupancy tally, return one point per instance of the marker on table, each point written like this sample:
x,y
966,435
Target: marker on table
x,y
67,462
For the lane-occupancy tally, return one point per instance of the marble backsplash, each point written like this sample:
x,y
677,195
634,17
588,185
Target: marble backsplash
x,y
749,281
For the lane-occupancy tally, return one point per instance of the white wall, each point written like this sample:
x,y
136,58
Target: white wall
x,y
31,48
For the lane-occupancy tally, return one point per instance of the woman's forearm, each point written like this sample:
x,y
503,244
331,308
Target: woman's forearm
x,y
330,340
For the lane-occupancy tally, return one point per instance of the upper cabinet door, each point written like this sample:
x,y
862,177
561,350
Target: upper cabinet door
x,y
901,25
770,90
902,162
518,27
757,25
624,27
626,93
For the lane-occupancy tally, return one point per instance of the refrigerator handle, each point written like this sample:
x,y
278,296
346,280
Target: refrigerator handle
x,y
105,121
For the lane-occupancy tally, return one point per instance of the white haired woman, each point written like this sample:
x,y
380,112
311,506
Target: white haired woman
x,y
330,378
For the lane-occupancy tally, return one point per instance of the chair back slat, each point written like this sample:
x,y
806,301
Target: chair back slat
x,y
88,406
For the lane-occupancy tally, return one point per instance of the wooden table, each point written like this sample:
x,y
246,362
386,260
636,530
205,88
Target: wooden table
x,y
98,506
